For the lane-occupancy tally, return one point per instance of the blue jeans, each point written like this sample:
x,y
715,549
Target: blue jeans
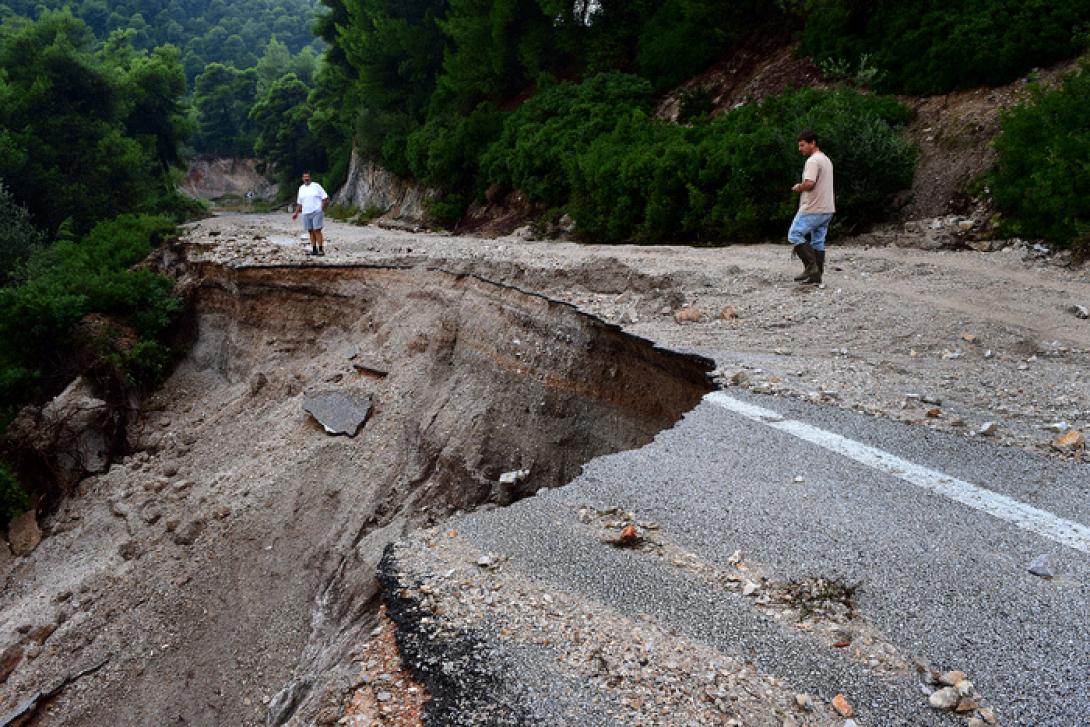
x,y
814,224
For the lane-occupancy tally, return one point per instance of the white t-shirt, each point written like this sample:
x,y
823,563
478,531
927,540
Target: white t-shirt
x,y
310,197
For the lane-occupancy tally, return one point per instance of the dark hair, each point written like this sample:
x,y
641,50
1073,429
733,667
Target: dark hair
x,y
306,171
808,136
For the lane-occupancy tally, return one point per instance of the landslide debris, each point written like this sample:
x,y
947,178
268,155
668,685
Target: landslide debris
x,y
227,567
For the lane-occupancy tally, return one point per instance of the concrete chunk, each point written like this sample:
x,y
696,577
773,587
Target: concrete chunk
x,y
339,412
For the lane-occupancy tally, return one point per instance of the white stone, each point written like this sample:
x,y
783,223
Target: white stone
x,y
945,698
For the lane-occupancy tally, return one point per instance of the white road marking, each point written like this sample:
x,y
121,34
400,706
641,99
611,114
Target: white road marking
x,y
1040,522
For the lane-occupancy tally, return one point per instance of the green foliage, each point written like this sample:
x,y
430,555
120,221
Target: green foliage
x,y
85,134
69,280
445,152
1042,179
727,179
18,238
927,46
223,97
13,499
686,36
543,135
280,119
204,31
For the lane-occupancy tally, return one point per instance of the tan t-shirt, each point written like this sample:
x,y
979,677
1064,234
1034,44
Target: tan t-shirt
x,y
819,199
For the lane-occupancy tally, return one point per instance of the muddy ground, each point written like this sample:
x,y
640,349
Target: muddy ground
x,y
224,572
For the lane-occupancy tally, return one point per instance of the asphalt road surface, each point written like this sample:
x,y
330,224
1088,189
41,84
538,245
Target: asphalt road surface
x,y
939,531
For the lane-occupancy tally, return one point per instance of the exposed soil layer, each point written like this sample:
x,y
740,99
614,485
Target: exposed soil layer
x,y
227,570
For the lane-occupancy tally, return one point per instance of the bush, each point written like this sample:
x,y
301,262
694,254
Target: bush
x,y
925,46
542,137
1040,181
68,281
729,179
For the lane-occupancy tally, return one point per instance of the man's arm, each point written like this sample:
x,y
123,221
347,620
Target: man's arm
x,y
804,186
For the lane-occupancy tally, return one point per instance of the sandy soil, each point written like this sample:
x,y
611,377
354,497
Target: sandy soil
x,y
948,339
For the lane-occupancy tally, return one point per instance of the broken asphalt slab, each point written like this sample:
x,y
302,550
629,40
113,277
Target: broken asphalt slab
x,y
338,412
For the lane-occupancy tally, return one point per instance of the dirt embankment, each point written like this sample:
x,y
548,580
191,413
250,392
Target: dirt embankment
x,y
225,572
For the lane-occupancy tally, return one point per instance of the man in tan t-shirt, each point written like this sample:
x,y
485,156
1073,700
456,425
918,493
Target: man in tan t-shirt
x,y
816,208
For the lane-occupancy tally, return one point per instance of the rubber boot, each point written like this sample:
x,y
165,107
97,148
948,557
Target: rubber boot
x,y
811,273
820,261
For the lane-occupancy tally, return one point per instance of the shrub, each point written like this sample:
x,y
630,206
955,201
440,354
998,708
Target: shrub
x,y
68,281
729,178
541,138
1040,181
926,46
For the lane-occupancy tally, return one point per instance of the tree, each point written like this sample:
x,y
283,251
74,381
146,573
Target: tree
x,y
280,120
223,96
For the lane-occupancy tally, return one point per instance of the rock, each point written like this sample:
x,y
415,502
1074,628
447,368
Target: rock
x,y
840,704
944,699
1070,441
965,688
976,722
187,533
931,399
1043,566
384,696
988,715
9,659
351,352
688,314
750,588
129,550
629,535
952,678
728,313
514,477
804,701
988,429
934,412
339,412
1058,427
73,436
738,378
1079,311
24,535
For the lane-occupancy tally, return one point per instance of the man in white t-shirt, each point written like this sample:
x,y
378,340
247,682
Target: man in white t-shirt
x,y
311,202
816,209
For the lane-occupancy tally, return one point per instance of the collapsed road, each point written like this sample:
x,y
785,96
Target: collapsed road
x,y
787,564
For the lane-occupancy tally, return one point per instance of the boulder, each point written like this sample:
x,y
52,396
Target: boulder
x,y
69,438
24,533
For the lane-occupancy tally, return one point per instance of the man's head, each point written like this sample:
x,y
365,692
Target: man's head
x,y
306,177
807,143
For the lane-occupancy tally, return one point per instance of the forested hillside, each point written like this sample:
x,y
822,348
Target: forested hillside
x,y
554,99
204,31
